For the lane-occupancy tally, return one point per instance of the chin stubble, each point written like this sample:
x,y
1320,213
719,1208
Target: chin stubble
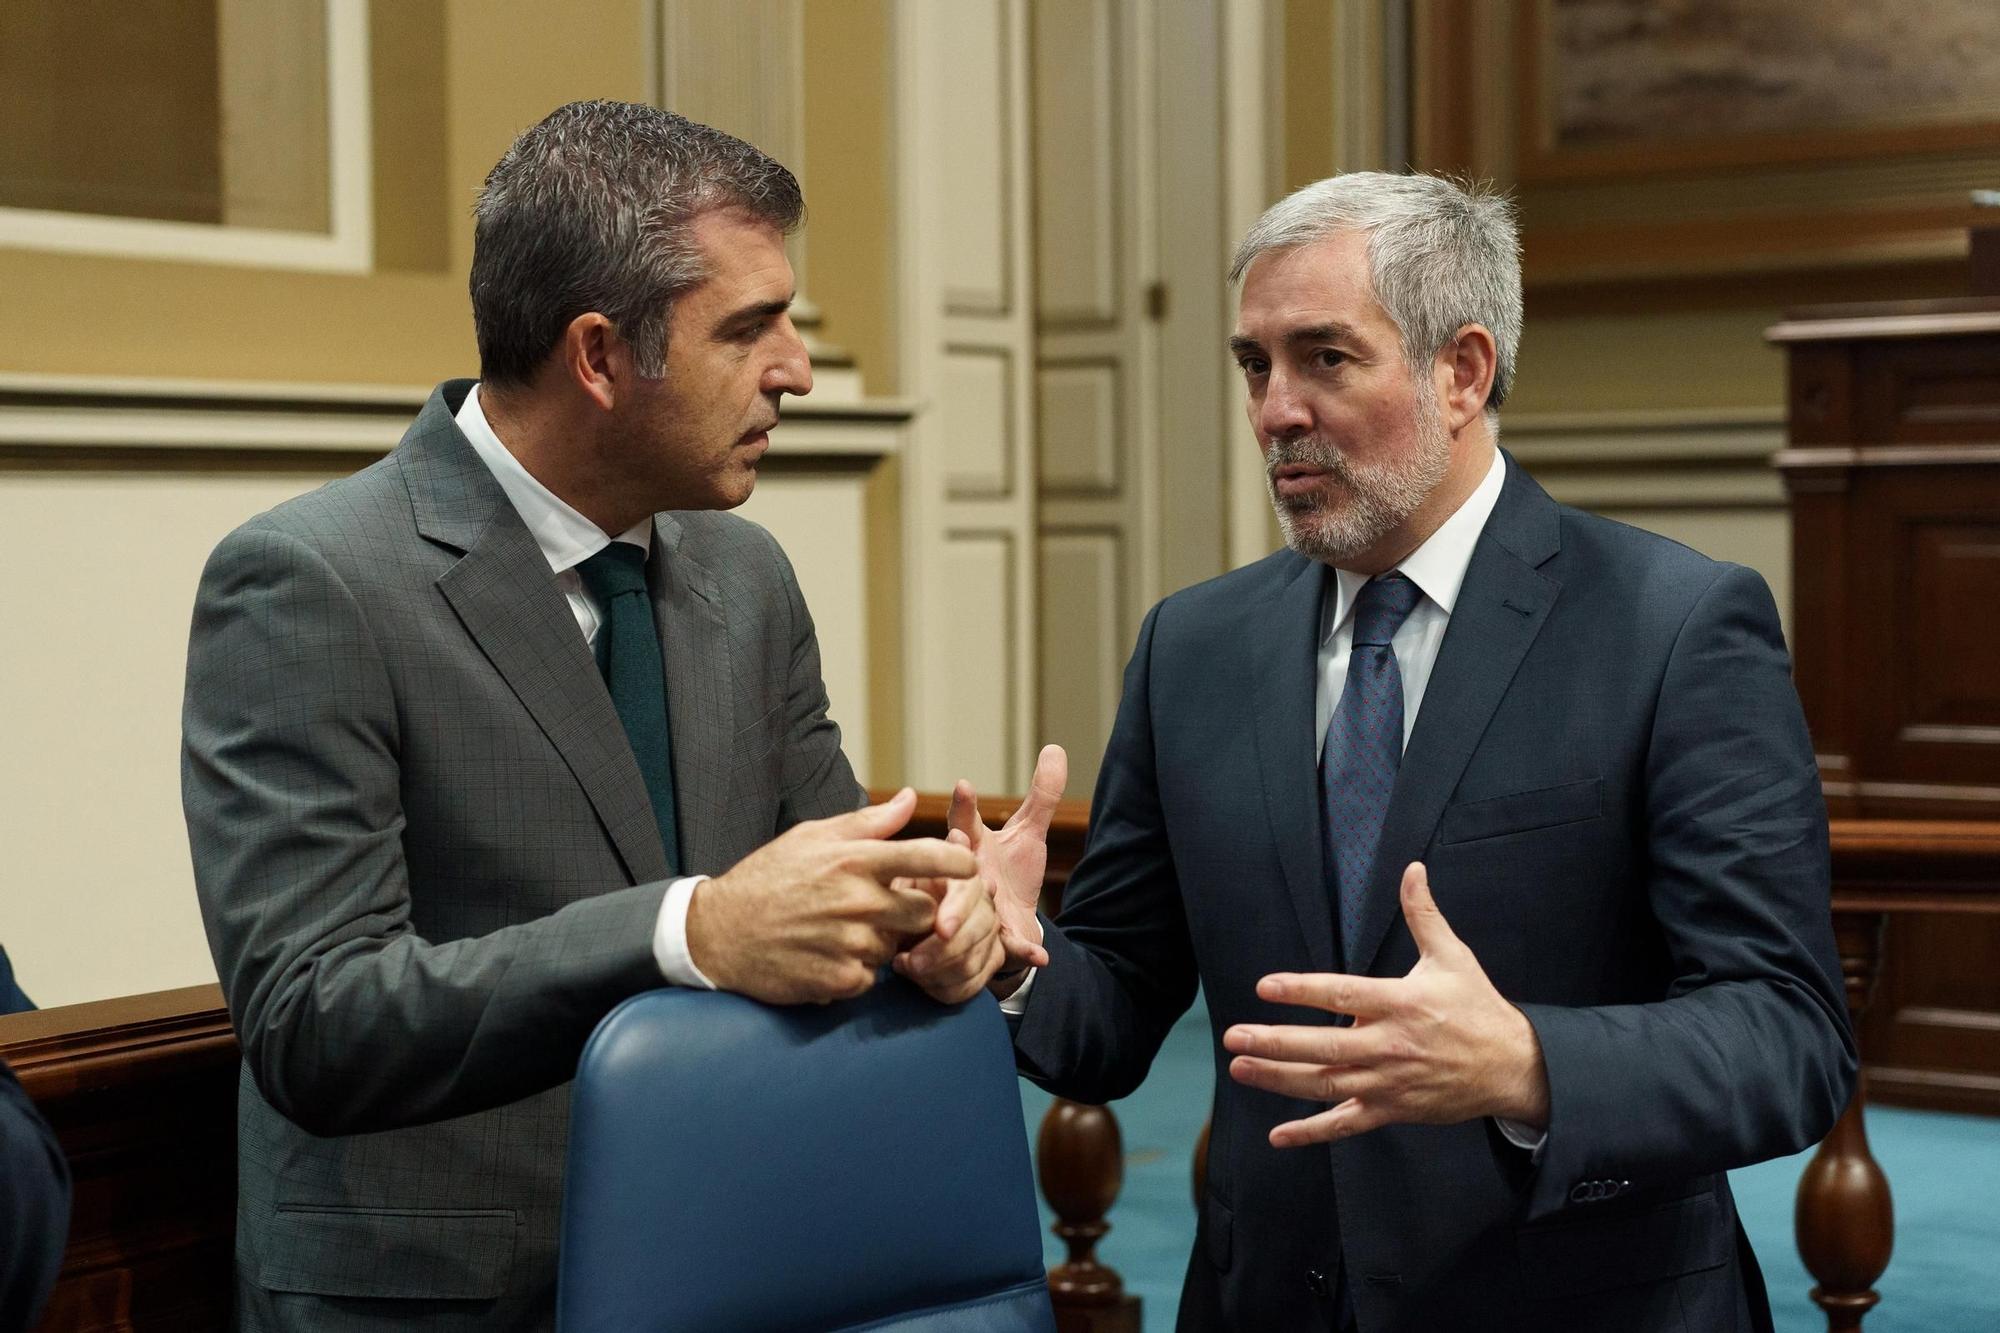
x,y
1358,504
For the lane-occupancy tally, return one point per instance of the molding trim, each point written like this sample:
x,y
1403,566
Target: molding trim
x,y
1668,459
62,422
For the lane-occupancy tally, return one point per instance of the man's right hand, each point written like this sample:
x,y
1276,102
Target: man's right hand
x,y
1013,860
809,916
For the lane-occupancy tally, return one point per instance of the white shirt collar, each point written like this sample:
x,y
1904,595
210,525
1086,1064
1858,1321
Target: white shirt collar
x,y
566,538
1438,566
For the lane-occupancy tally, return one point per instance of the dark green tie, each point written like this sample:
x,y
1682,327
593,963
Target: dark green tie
x,y
628,655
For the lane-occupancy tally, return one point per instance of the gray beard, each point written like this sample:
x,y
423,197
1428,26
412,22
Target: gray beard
x,y
1357,505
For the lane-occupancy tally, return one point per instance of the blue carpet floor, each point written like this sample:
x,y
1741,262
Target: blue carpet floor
x,y
1944,1170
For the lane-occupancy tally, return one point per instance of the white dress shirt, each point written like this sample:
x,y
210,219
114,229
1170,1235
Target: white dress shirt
x,y
567,539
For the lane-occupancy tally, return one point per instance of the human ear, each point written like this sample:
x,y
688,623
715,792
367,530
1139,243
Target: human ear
x,y
1464,370
594,358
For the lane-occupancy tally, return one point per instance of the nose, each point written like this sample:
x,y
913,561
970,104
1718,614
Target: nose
x,y
791,372
1281,411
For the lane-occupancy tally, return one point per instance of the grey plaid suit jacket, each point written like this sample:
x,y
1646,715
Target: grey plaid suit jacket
x,y
427,865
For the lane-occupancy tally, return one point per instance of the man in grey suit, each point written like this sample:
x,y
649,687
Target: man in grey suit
x,y
1489,830
463,732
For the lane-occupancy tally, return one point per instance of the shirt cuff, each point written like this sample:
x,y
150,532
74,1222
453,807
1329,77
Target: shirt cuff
x,y
1017,1004
670,936
1525,1137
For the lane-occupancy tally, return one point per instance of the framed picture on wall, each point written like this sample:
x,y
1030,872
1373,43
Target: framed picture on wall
x,y
219,131
1653,138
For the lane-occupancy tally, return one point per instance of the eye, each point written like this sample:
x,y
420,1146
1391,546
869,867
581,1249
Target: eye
x,y
1328,358
1252,366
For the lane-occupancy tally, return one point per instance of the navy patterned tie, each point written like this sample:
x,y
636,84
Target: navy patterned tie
x,y
628,654
1364,747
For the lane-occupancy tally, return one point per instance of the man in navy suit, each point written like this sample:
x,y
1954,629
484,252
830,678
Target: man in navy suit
x,y
1489,828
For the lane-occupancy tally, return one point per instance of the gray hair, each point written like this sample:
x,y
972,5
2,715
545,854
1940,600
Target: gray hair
x,y
1441,255
593,210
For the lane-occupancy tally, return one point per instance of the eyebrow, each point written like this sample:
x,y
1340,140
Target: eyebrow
x,y
752,314
1332,331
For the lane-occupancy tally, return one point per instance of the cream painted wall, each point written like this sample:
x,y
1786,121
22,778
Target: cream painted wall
x,y
99,897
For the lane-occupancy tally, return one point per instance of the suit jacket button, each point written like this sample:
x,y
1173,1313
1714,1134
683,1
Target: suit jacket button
x,y
1580,1192
1317,1281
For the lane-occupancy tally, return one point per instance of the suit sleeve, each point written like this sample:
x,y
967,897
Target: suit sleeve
x,y
1750,1055
34,1206
349,1020
1121,966
818,781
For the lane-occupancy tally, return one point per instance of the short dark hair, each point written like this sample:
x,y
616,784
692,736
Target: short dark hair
x,y
593,209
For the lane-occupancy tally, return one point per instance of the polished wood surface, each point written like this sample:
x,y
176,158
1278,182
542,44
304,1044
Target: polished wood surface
x,y
1944,877
1081,1165
142,1093
1892,465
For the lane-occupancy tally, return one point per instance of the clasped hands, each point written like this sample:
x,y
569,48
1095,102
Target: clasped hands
x,y
809,917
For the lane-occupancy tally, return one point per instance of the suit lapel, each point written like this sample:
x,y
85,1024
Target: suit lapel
x,y
1501,608
507,599
1283,632
694,640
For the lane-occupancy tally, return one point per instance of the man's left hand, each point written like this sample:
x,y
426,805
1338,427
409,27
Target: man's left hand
x,y
963,951
1435,1047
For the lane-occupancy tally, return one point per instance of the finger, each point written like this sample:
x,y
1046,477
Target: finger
x,y
1335,992
931,886
957,838
963,814
1307,1082
916,858
875,821
1342,1122
1021,949
897,914
1313,1045
1433,934
1045,792
944,967
961,899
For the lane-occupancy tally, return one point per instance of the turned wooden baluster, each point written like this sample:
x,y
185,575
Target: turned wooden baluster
x,y
1845,1221
1081,1158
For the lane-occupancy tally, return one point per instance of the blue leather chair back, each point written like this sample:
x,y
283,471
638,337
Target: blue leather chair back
x,y
735,1167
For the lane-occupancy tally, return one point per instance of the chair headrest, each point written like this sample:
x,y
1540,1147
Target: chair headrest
x,y
729,1160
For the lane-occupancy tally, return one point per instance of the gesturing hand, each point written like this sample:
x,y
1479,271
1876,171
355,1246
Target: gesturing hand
x,y
1437,1046
810,915
1014,859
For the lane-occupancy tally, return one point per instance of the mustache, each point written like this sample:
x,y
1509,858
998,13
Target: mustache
x,y
1314,451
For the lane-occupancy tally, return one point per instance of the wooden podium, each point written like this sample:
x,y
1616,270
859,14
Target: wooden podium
x,y
1893,468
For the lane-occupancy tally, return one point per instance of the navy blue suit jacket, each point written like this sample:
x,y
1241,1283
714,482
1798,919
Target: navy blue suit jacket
x,y
1611,784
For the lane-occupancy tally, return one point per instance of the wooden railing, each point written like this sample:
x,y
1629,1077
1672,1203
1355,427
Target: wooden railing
x,y
142,1092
